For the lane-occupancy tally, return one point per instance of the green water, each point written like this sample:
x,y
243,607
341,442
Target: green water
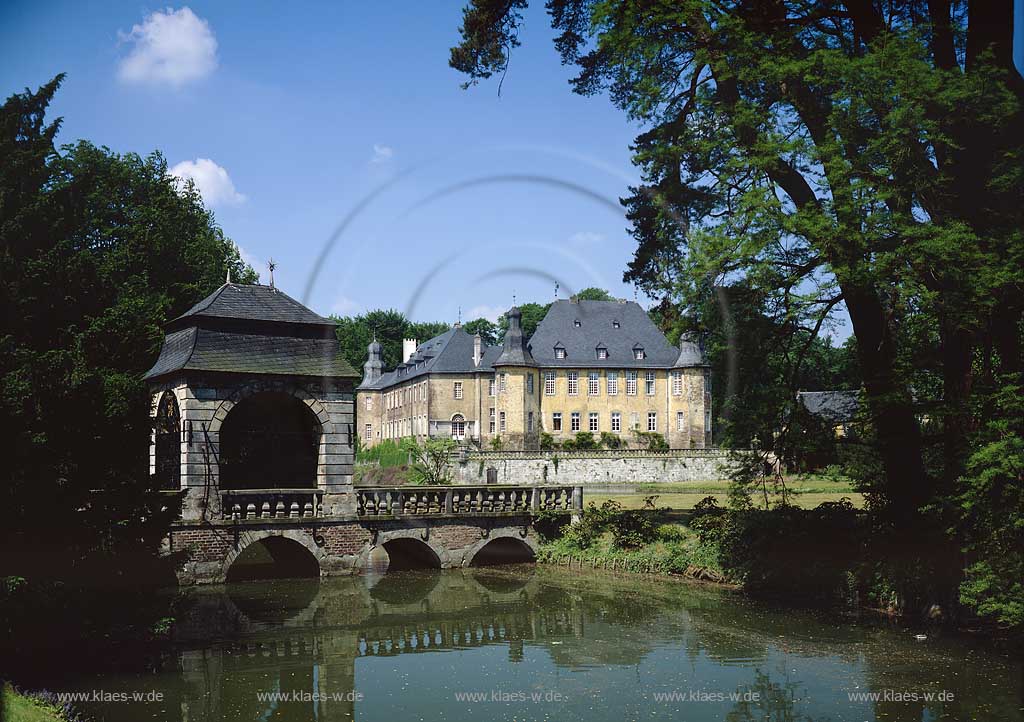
x,y
525,643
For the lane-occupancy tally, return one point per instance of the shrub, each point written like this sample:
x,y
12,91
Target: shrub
x,y
549,523
496,443
610,440
547,441
585,440
592,524
652,440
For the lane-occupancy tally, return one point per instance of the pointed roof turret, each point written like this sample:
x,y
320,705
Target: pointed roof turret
x,y
514,351
690,353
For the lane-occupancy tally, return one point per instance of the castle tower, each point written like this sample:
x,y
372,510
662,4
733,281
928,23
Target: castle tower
x,y
518,388
693,405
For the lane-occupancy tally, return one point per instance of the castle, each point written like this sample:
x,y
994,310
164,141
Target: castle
x,y
591,366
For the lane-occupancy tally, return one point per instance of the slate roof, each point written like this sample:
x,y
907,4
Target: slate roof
x,y
251,330
597,327
254,303
836,407
448,353
514,349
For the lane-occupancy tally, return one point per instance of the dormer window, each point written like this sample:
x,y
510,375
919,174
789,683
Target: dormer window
x,y
577,323
602,353
638,353
559,352
615,324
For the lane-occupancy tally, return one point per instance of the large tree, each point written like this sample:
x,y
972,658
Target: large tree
x,y
840,154
98,250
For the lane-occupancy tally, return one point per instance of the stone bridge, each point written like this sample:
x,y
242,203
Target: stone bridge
x,y
260,533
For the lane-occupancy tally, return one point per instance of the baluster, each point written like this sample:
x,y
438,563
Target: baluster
x,y
308,509
250,510
265,510
294,510
279,508
236,512
479,500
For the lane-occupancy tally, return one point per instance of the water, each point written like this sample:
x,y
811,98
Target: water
x,y
526,643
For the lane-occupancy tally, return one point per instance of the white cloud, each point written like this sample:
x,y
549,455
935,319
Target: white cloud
x,y
345,306
212,181
170,47
382,153
491,313
585,238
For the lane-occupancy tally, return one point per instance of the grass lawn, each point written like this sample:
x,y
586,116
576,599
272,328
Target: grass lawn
x,y
17,708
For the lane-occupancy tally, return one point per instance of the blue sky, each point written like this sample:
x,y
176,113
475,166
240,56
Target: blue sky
x,y
307,110
292,118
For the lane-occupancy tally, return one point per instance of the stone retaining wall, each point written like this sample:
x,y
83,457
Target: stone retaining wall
x,y
586,469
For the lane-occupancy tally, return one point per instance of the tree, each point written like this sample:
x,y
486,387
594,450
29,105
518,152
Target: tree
x,y
99,250
389,327
532,315
831,154
595,294
488,331
432,462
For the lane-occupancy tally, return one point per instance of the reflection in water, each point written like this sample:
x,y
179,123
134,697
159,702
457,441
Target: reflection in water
x,y
589,646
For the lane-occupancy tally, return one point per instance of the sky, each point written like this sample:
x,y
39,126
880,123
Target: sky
x,y
334,139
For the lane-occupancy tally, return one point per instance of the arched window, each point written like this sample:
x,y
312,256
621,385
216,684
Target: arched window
x,y
458,427
168,442
269,441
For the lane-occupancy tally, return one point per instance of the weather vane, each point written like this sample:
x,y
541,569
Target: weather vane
x,y
271,265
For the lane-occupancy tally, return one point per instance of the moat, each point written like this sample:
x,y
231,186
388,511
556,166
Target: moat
x,y
523,642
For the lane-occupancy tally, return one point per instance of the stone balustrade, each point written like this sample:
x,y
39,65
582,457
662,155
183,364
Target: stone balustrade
x,y
398,501
271,503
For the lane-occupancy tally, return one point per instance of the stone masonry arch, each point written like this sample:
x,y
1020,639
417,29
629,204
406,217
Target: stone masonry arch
x,y
502,533
248,538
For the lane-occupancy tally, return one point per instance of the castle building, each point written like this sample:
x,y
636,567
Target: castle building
x,y
591,366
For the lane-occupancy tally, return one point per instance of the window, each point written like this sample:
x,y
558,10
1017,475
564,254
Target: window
x,y
593,383
638,354
549,383
493,423
634,420
577,323
504,383
612,383
616,421
652,421
368,432
458,426
491,384
677,383
529,383
501,419
556,421
574,383
602,353
559,352
458,389
615,324
680,421
649,382
368,403
574,421
593,422
529,421
631,383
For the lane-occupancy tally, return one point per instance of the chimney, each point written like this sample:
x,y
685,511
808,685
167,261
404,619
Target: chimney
x,y
478,351
408,349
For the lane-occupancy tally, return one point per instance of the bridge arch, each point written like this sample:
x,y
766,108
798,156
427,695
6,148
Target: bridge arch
x,y
505,546
262,554
408,549
299,393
